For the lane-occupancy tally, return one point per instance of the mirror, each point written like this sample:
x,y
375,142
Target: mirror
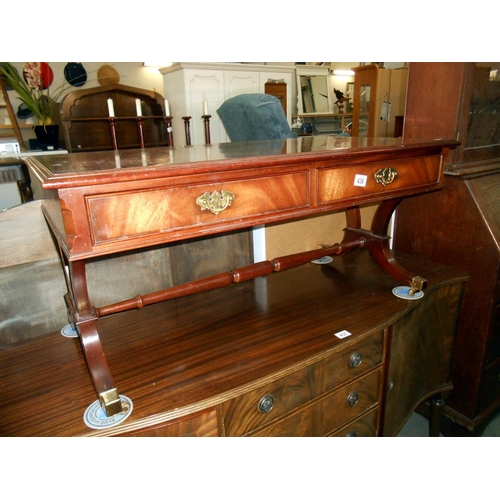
x,y
313,95
314,92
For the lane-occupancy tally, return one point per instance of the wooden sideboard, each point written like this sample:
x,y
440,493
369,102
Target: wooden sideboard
x,y
99,204
200,365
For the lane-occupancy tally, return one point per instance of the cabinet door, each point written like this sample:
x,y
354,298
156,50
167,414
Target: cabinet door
x,y
240,82
421,344
205,85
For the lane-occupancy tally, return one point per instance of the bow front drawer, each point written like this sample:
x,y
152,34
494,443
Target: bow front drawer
x,y
365,180
331,412
264,405
164,209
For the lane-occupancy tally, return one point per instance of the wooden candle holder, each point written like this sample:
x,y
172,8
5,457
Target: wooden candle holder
x,y
170,135
140,131
206,119
187,129
112,128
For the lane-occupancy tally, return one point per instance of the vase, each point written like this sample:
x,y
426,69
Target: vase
x,y
47,136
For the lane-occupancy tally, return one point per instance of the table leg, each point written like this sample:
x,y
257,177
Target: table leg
x,y
84,318
377,243
436,414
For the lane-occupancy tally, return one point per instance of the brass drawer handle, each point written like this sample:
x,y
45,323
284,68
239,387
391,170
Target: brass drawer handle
x,y
352,399
385,175
355,360
215,202
266,403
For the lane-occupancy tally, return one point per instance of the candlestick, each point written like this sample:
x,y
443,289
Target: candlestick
x,y
205,107
187,129
140,131
170,135
206,119
138,107
112,127
111,108
167,108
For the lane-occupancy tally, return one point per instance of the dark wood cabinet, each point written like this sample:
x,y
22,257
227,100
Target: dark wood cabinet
x,y
460,224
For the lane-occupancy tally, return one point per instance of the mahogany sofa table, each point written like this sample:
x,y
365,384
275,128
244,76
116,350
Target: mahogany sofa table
x,y
103,203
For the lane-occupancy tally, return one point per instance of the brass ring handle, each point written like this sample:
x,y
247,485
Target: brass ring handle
x,y
216,202
266,403
385,175
355,359
352,399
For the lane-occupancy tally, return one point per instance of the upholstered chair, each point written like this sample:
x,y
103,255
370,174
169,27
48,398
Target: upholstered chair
x,y
254,117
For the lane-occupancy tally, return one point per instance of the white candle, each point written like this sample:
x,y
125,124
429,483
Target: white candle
x,y
205,107
111,108
138,107
167,108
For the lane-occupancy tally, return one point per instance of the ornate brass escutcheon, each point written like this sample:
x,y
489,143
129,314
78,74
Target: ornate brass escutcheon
x,y
385,175
215,202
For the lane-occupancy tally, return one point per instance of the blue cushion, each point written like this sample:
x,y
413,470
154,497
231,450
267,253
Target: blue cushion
x,y
254,117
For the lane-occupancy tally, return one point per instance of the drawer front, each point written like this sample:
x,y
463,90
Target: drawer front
x,y
348,403
330,413
349,363
116,216
365,426
242,414
361,180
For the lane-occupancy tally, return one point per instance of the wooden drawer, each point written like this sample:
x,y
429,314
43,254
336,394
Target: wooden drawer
x,y
358,181
166,209
365,426
241,415
331,412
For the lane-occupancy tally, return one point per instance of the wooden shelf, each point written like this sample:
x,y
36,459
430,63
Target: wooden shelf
x,y
106,118
321,115
25,126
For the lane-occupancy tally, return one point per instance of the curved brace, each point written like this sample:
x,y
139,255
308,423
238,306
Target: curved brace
x,y
377,243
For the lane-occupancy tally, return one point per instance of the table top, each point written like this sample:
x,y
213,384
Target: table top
x,y
76,168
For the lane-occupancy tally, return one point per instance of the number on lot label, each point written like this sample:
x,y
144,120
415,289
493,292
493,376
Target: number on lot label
x,y
360,180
